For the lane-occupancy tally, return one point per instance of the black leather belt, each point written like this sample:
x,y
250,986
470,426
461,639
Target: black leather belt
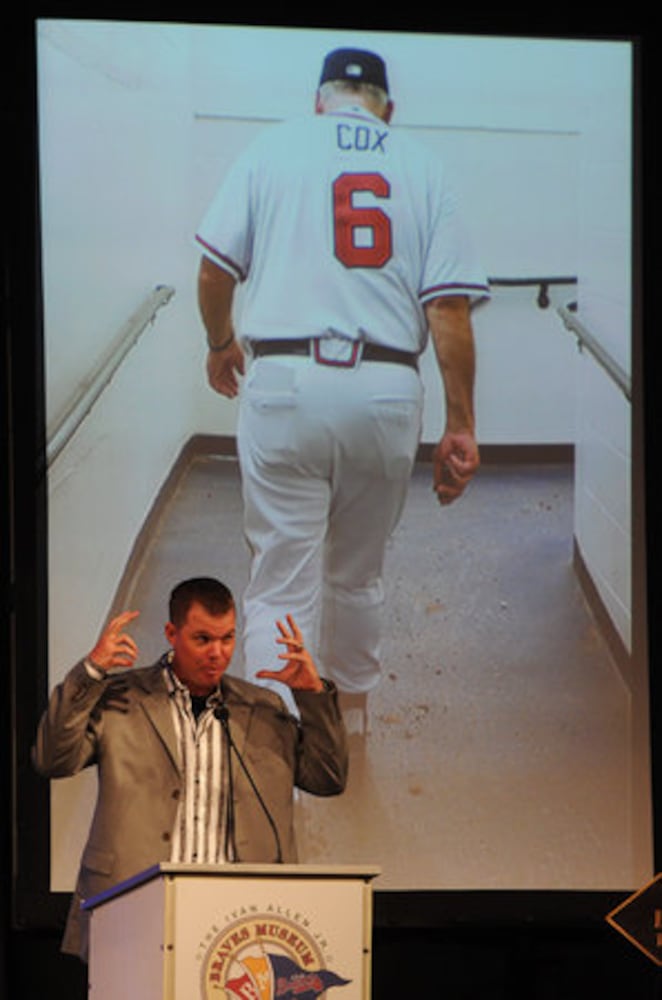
x,y
304,347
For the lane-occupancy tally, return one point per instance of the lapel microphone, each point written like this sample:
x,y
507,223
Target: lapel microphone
x,y
222,713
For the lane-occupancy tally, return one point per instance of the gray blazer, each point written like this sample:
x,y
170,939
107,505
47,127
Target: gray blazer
x,y
140,781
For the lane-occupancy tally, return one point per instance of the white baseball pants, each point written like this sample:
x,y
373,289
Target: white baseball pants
x,y
326,456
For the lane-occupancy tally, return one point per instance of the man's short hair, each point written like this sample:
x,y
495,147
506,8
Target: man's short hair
x,y
368,92
213,595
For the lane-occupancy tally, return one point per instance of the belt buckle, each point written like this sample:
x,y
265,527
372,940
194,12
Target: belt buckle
x,y
337,362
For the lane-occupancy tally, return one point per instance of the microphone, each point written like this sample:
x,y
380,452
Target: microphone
x,y
222,713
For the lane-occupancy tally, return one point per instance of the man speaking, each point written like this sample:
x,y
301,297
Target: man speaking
x,y
194,765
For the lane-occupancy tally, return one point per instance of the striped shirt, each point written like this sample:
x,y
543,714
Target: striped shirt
x,y
199,828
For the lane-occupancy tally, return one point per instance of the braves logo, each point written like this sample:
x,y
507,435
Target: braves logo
x,y
265,958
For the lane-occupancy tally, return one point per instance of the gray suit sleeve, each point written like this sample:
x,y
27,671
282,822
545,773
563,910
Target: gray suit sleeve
x,y
323,756
66,737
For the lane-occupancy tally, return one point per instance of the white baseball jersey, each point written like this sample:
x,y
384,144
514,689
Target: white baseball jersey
x,y
339,224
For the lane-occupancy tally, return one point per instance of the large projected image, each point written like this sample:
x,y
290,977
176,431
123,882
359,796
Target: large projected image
x,y
506,743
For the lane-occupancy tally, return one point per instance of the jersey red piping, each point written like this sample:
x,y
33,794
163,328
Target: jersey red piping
x,y
227,262
453,287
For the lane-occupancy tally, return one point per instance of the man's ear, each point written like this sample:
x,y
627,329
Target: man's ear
x,y
388,112
318,103
170,632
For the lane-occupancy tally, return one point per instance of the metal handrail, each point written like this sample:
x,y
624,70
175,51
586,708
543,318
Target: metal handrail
x,y
584,337
65,425
602,356
543,285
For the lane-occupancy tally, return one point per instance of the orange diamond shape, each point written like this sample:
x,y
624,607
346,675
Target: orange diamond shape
x,y
639,919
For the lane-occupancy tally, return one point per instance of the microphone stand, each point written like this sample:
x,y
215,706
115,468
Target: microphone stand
x,y
222,713
230,848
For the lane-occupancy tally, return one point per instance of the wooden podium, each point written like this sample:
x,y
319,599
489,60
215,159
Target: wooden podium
x,y
233,932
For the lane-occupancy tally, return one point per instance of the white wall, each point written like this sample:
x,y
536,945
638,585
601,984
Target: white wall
x,y
114,130
603,504
138,124
604,500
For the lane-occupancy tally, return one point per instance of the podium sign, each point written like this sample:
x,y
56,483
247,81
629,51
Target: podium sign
x,y
233,932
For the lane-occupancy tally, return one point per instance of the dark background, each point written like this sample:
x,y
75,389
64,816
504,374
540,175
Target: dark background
x,y
452,946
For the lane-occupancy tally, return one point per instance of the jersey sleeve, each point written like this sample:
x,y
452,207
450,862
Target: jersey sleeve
x,y
451,265
225,233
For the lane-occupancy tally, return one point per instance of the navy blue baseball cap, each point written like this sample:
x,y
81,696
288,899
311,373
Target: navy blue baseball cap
x,y
355,64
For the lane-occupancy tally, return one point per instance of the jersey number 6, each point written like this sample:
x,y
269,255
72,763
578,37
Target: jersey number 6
x,y
375,246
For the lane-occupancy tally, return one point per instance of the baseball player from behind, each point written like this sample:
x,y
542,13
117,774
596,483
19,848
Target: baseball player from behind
x,y
350,252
